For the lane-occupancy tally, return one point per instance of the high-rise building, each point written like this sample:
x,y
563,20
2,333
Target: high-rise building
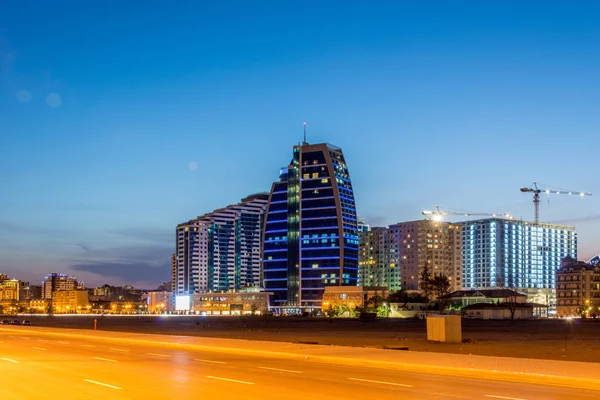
x,y
515,254
378,259
363,226
430,244
173,272
577,289
55,282
311,230
220,251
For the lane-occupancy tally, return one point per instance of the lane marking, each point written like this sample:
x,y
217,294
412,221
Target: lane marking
x,y
63,342
9,360
38,348
229,380
43,340
104,359
380,382
158,355
503,397
102,384
282,370
87,345
210,361
120,350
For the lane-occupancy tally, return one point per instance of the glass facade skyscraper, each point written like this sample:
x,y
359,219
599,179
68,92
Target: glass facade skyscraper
x,y
311,231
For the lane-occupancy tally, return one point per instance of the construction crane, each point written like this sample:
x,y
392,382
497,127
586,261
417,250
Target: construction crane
x,y
537,189
437,214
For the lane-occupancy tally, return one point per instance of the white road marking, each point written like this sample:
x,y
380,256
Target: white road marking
x,y
87,345
104,359
158,355
9,360
63,342
102,384
229,380
210,361
38,348
281,370
503,397
380,382
43,340
120,350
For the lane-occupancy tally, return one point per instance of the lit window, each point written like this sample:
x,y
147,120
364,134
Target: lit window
x,y
315,175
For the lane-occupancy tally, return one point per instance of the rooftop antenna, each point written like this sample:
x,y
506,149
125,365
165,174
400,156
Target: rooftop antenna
x,y
305,133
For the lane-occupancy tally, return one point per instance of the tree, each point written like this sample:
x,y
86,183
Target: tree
x,y
425,282
509,294
440,285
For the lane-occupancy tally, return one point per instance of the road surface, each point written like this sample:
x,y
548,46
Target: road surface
x,y
65,367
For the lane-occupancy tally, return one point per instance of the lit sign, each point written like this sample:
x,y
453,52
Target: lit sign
x,y
182,303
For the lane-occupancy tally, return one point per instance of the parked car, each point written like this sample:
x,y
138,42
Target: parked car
x,y
16,322
26,322
5,322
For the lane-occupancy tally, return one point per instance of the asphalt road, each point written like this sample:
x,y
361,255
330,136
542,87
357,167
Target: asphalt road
x,y
33,365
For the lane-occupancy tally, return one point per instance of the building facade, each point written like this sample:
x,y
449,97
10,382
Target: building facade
x,y
430,244
378,263
311,229
9,290
515,254
220,251
159,302
577,289
70,301
56,282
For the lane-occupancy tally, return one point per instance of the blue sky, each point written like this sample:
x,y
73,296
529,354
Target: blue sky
x,y
104,106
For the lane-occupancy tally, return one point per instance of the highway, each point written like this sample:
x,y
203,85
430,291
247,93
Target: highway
x,y
65,367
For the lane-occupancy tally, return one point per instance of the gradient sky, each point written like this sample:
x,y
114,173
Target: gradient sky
x,y
120,119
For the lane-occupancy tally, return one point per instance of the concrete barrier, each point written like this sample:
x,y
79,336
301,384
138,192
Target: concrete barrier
x,y
444,328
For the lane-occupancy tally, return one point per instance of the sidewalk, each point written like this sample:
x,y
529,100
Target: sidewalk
x,y
560,373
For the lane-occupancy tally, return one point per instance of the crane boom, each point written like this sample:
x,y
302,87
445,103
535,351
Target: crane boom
x,y
536,190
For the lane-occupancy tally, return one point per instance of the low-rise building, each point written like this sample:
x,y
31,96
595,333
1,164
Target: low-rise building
x,y
38,306
228,303
577,289
462,298
70,301
505,311
159,302
350,297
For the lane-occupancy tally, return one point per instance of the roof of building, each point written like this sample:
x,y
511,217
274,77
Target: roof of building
x,y
503,305
488,293
569,263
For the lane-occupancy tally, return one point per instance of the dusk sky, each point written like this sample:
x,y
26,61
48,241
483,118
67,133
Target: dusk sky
x,y
121,119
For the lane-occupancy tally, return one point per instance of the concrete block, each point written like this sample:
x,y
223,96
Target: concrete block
x,y
444,328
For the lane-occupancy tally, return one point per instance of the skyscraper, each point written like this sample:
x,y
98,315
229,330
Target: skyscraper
x,y
221,250
311,232
378,259
515,254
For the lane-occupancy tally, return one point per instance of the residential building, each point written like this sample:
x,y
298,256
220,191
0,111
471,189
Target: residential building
x,y
430,244
173,272
125,293
24,293
577,289
378,263
57,282
35,292
221,250
159,302
9,290
515,254
311,229
72,301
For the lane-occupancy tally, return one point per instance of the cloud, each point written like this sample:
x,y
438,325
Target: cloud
x,y
84,247
135,263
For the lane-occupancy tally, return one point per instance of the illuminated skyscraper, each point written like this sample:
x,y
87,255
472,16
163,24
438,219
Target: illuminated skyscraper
x,y
220,251
515,254
311,231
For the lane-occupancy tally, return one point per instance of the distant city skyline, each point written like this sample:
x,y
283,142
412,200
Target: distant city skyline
x,y
119,122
